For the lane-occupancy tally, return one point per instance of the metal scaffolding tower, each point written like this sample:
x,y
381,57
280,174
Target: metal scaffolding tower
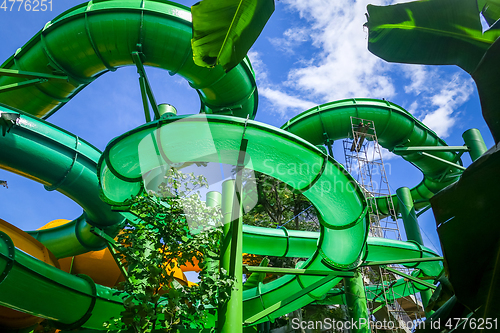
x,y
363,160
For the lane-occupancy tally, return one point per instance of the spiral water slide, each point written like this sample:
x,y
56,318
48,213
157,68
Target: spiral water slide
x,y
100,36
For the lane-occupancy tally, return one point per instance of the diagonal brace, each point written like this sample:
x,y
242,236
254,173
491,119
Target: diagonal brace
x,y
31,75
21,84
145,87
288,300
412,278
111,243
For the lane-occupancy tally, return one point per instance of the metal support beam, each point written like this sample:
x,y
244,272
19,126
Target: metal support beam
x,y
412,278
142,84
22,84
401,261
443,161
295,271
412,229
451,149
31,75
111,243
230,314
474,140
356,303
423,210
145,86
288,300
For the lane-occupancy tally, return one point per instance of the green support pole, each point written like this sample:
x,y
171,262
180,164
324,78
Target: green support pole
x,y
213,200
412,230
409,216
474,140
230,315
356,303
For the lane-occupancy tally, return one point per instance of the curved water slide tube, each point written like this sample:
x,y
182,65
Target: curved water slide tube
x,y
100,36
82,44
342,243
289,243
395,127
65,163
336,196
29,131
26,279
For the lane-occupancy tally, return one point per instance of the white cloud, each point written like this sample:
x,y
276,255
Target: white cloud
x,y
338,65
451,96
258,66
421,78
413,107
344,67
284,102
292,38
281,102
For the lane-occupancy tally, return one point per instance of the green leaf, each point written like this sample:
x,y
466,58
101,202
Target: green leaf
x,y
434,32
224,30
443,32
490,10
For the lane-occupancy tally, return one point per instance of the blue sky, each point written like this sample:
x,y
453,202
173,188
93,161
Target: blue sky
x,y
310,52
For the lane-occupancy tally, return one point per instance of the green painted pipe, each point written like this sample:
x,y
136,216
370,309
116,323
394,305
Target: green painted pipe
x,y
20,274
66,163
474,140
215,130
395,128
412,230
356,303
99,36
409,217
93,27
230,314
213,199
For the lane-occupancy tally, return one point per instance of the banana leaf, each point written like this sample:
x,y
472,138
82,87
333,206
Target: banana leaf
x,y
490,10
434,32
224,30
444,32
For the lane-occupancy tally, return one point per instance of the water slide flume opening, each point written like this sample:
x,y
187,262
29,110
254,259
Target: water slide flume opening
x,y
218,139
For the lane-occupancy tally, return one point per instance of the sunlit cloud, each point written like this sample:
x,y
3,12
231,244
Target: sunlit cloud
x,y
342,67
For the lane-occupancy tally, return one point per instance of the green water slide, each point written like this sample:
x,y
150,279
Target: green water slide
x,y
218,139
66,163
285,243
397,130
100,36
25,279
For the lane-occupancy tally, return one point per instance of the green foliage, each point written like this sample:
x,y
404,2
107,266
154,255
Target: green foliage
x,y
176,228
279,204
437,32
224,30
